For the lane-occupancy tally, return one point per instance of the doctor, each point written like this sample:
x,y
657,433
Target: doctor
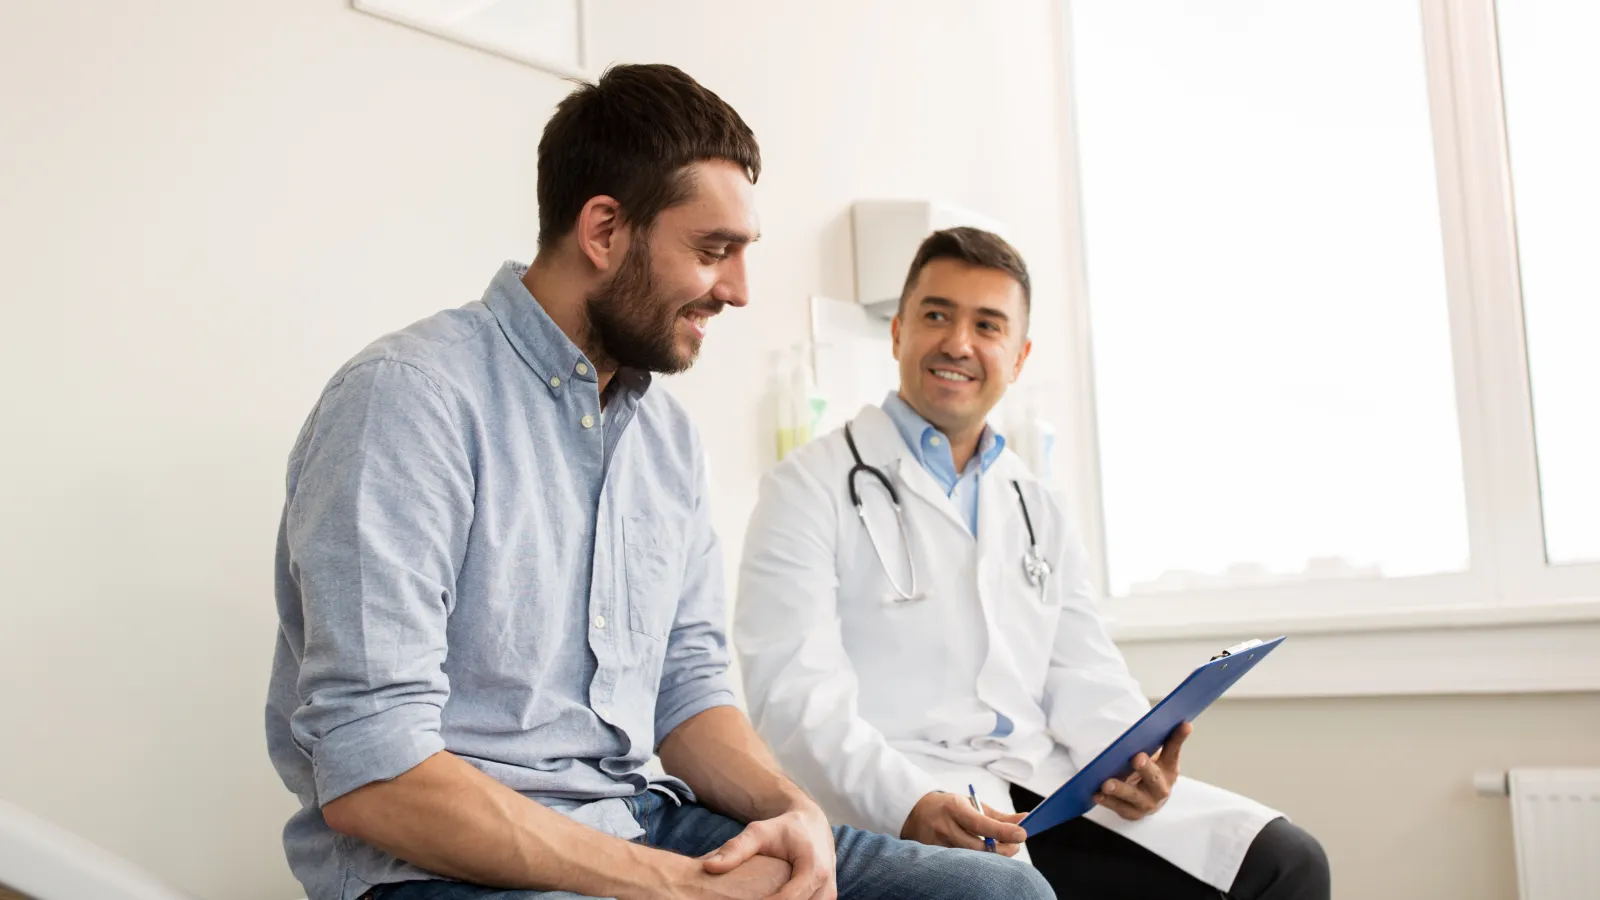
x,y
914,616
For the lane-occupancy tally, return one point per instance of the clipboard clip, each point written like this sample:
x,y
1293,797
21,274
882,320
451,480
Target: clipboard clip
x,y
1237,648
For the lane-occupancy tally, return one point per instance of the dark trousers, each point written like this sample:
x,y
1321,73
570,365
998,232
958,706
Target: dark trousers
x,y
1083,861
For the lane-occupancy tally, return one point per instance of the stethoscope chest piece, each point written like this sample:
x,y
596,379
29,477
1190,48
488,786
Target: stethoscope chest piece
x,y
1036,567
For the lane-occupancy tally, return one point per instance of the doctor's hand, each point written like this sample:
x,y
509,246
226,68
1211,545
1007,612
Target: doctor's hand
x,y
800,837
1148,788
948,820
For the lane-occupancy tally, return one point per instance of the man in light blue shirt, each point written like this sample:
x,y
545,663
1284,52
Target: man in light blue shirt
x,y
498,588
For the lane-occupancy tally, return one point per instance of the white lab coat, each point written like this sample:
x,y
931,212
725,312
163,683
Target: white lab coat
x,y
871,704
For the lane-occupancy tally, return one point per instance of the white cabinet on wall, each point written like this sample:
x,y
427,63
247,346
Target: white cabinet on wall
x,y
546,34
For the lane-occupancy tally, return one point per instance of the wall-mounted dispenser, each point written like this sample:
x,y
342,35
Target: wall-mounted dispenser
x,y
887,234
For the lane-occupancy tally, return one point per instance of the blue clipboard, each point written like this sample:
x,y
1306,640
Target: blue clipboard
x,y
1203,686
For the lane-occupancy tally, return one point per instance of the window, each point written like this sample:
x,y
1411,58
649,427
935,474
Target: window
x,y
1551,78
1266,275
1336,373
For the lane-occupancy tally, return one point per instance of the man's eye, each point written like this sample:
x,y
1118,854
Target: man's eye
x,y
934,316
713,256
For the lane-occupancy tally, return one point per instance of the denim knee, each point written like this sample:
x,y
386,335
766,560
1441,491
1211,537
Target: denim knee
x,y
1010,879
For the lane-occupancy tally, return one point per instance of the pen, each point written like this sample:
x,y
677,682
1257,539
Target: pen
x,y
988,842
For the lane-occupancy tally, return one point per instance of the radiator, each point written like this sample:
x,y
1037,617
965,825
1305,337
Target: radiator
x,y
1555,821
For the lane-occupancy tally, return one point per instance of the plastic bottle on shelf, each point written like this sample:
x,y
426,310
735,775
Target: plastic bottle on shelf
x,y
801,405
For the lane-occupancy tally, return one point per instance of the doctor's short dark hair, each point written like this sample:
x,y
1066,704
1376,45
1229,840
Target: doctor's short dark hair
x,y
975,247
630,136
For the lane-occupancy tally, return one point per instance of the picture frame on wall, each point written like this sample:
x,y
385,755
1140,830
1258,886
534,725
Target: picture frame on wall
x,y
547,34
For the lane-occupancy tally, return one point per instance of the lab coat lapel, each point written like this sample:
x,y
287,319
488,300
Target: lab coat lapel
x,y
920,484
877,438
997,502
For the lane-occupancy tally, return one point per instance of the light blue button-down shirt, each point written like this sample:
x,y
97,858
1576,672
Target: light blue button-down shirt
x,y
472,560
931,447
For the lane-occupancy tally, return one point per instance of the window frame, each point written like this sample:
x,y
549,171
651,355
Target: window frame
x,y
1509,586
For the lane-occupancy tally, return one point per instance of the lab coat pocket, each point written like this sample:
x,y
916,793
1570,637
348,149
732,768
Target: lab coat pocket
x,y
653,559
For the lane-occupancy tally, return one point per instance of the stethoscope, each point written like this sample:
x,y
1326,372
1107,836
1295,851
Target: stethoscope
x,y
1034,565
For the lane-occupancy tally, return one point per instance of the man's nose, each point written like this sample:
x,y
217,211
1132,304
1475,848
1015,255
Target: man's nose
x,y
957,341
732,287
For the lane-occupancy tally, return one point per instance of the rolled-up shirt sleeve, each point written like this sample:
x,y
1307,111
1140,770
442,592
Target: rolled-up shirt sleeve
x,y
694,676
376,530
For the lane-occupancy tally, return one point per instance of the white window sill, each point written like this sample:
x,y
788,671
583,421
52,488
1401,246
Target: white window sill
x,y
1480,649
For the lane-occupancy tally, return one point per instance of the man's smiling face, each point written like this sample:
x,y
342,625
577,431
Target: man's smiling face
x,y
961,339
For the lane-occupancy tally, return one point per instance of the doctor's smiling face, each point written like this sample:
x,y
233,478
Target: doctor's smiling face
x,y
961,335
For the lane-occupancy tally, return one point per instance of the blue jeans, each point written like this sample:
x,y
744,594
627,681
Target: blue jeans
x,y
870,866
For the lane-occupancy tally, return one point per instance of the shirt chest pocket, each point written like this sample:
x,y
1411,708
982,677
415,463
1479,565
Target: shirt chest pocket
x,y
653,564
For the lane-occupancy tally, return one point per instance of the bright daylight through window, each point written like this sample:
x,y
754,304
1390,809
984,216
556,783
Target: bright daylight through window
x,y
1273,369
1551,79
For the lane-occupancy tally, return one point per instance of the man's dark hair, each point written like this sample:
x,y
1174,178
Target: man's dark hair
x,y
631,136
975,247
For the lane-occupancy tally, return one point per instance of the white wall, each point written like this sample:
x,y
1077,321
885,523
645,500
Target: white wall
x,y
206,206
1386,783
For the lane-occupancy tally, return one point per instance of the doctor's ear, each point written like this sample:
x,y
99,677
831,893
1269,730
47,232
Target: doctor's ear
x,y
894,335
1022,357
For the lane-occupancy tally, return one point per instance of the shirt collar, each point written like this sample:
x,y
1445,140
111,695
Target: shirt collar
x,y
539,341
919,433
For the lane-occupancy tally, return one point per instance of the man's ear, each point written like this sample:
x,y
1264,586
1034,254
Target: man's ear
x,y
894,335
601,233
1027,347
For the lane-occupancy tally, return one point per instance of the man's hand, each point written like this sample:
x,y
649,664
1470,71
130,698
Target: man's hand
x,y
1148,788
756,879
801,838
948,820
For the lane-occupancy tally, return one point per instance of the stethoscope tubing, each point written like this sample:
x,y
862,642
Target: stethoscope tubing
x,y
1031,560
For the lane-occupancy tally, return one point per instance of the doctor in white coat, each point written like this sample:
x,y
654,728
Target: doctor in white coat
x,y
891,661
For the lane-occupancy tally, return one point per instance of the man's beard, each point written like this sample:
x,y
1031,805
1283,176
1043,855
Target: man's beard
x,y
632,323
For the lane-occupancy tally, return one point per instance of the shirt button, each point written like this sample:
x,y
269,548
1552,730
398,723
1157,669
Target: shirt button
x,y
554,381
934,440
583,369
599,621
588,421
